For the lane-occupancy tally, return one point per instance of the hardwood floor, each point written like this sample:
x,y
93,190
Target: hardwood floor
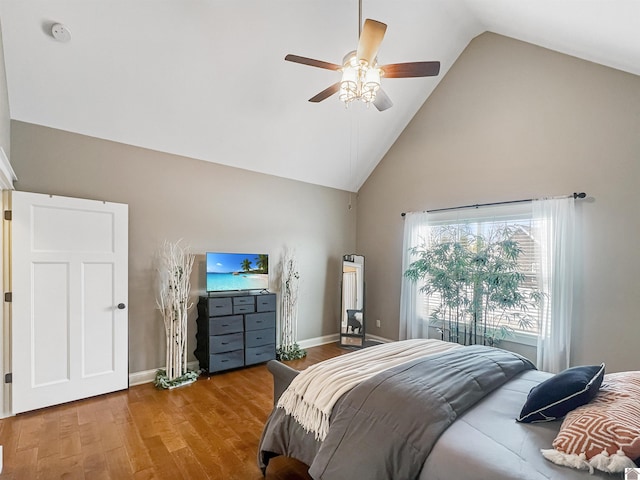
x,y
207,430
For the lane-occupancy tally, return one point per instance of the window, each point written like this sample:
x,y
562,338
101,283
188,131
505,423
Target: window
x,y
478,274
543,233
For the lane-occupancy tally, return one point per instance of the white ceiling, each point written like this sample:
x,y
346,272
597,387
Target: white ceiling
x,y
207,78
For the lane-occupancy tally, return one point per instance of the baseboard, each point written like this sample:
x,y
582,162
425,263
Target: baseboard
x,y
314,342
148,376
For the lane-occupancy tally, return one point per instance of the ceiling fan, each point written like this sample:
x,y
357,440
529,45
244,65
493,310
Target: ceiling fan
x,y
360,70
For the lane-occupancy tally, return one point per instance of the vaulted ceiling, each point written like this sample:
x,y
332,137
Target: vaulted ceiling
x,y
207,78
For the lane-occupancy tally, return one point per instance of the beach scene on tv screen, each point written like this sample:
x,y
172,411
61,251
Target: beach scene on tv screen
x,y
237,271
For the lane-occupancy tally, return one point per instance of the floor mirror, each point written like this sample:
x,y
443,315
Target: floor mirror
x,y
352,322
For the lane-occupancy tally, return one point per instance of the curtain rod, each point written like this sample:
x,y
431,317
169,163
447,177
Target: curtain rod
x,y
573,195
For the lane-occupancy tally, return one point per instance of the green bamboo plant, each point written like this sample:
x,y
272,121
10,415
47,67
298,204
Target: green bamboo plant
x,y
478,281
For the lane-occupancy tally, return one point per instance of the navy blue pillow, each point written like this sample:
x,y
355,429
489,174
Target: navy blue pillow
x,y
557,396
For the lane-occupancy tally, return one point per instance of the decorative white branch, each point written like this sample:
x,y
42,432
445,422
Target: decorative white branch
x,y
290,281
174,269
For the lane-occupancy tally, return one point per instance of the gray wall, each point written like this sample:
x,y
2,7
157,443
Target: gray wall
x,y
211,207
510,121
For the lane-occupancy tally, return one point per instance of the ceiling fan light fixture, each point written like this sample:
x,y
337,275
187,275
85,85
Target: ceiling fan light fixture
x,y
359,81
349,82
371,84
349,86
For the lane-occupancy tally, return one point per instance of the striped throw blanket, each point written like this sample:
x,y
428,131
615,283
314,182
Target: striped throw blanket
x,y
312,394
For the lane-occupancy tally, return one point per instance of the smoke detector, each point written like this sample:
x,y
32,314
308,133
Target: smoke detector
x,y
60,32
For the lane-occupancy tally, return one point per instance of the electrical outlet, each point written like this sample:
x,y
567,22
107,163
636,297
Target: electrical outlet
x,y
378,323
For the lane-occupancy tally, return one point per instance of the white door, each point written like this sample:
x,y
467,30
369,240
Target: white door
x,y
69,260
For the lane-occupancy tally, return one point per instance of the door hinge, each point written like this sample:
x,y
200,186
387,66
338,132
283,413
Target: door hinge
x,y
8,378
8,296
7,214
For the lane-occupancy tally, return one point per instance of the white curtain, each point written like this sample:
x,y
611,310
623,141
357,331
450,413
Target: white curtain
x,y
555,218
412,325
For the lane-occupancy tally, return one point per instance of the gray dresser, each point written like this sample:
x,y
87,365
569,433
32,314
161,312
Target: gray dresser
x,y
235,330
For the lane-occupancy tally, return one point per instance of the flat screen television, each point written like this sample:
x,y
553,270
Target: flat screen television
x,y
237,271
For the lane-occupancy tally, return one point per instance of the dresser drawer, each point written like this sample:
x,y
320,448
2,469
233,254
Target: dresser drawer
x,y
258,321
224,325
220,306
256,338
225,343
259,354
266,303
243,301
224,361
248,308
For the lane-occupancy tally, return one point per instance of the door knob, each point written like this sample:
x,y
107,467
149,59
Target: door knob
x,y
121,306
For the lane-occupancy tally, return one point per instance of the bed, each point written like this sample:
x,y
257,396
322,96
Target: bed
x,y
384,426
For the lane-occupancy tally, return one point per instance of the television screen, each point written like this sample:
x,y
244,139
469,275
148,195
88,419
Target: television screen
x,y
237,271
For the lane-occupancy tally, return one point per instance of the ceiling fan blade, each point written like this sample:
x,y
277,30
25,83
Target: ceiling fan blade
x,y
411,69
326,93
382,101
312,62
370,40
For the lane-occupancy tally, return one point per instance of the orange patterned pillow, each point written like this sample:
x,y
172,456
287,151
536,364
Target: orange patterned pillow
x,y
604,434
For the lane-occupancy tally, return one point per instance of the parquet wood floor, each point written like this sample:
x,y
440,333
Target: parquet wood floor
x,y
207,430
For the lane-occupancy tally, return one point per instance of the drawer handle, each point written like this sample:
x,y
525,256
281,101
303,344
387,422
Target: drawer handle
x,y
225,324
219,306
225,343
258,321
258,338
222,361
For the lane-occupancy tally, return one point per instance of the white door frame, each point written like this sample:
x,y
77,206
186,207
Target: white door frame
x,y
7,177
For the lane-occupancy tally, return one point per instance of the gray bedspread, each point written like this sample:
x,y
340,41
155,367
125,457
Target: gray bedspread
x,y
385,427
486,443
